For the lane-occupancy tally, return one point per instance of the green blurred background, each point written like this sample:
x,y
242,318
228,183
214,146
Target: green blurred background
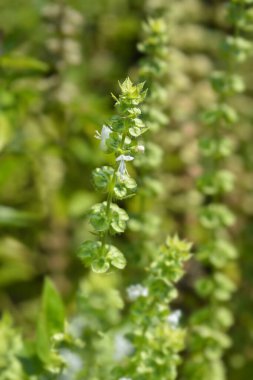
x,y
59,62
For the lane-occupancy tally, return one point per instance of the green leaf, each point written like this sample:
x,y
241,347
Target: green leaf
x,y
204,287
218,182
119,218
220,113
238,48
113,219
99,218
227,84
23,63
224,286
101,257
213,148
50,320
102,177
216,215
116,257
89,251
100,266
124,187
113,141
16,218
135,131
218,253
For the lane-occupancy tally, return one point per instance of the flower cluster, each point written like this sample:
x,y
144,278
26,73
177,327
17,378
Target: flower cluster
x,y
119,138
155,333
208,339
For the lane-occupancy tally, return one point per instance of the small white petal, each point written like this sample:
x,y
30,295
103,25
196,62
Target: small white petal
x,y
122,165
122,168
105,131
128,158
174,318
103,136
123,347
136,291
141,148
122,157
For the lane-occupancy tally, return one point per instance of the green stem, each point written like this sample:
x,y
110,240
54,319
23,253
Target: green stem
x,y
110,194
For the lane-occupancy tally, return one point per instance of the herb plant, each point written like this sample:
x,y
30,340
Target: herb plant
x,y
155,333
57,61
120,138
208,338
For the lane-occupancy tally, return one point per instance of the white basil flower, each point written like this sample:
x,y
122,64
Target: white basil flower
x,y
103,136
174,318
123,347
122,164
141,148
125,378
74,364
136,291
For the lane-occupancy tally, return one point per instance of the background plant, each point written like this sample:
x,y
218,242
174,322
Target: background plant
x,y
153,70
154,332
208,340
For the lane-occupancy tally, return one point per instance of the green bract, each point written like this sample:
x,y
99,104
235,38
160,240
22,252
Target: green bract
x,y
214,148
218,182
113,219
125,187
215,216
237,48
220,114
218,287
99,257
227,84
218,253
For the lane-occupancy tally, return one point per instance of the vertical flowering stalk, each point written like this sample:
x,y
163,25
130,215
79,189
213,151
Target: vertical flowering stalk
x,y
154,70
155,333
120,138
208,338
63,49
